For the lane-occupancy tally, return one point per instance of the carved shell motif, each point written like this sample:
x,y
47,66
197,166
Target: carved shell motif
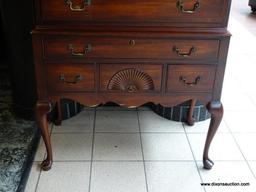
x,y
131,80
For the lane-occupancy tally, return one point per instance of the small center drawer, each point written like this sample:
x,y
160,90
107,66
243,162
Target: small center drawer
x,y
81,47
130,78
67,78
187,78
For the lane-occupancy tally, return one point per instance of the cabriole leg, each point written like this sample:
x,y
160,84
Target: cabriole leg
x,y
216,110
42,108
59,116
190,119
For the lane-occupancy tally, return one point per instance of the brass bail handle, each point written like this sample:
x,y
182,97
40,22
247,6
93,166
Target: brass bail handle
x,y
179,53
75,81
87,49
191,84
181,8
77,8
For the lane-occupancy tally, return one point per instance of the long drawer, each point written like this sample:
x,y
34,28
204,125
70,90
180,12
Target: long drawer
x,y
81,47
212,13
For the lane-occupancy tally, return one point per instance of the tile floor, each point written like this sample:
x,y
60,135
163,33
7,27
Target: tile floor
x,y
117,150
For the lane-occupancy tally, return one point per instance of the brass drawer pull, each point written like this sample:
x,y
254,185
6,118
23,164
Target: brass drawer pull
x,y
87,49
179,53
77,8
180,7
191,84
75,81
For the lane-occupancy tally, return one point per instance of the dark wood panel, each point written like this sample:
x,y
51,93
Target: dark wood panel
x,y
80,47
17,23
187,78
208,12
66,78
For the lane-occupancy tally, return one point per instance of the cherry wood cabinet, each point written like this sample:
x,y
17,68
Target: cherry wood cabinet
x,y
130,53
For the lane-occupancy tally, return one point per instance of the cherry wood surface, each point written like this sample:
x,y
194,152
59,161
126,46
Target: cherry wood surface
x,y
210,13
130,53
130,72
190,118
190,78
64,77
130,46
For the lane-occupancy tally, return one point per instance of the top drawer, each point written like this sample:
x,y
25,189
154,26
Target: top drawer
x,y
183,13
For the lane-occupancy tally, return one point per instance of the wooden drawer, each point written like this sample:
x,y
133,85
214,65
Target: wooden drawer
x,y
140,12
70,78
81,47
187,78
126,78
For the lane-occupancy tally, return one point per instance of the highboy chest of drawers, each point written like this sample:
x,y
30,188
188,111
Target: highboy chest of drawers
x,y
131,53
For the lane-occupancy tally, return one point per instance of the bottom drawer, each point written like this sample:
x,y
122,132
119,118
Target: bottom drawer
x,y
190,78
67,78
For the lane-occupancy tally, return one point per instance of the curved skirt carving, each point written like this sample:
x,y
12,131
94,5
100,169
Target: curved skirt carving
x,y
125,100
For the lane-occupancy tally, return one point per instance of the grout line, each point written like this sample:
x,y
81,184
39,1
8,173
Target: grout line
x,y
205,133
176,160
144,164
226,124
141,132
236,132
242,133
39,176
138,161
146,132
250,98
198,171
120,133
70,133
93,137
242,154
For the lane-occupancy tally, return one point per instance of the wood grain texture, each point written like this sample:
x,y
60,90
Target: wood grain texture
x,y
70,72
190,78
107,72
55,47
211,13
